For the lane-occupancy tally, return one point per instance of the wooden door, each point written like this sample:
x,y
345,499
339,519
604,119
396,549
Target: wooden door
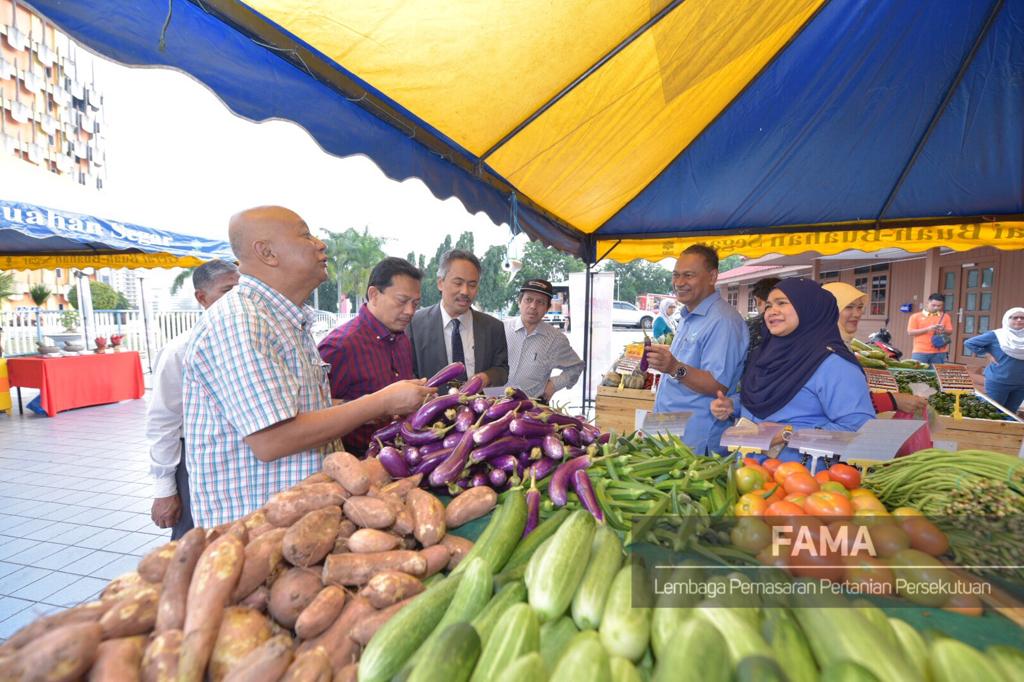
x,y
975,311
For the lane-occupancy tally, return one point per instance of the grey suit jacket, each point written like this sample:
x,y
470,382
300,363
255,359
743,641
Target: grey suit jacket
x,y
490,352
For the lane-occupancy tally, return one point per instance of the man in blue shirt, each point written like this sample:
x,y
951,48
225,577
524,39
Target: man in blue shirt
x,y
708,351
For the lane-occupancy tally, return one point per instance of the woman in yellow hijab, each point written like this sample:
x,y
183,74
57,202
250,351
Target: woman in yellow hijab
x,y
851,301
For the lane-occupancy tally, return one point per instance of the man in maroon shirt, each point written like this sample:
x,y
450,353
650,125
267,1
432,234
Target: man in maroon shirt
x,y
372,350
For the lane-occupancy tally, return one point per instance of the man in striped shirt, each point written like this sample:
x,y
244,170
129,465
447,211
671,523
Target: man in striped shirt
x,y
535,348
372,350
258,412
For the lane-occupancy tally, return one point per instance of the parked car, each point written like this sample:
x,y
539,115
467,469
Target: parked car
x,y
628,315
555,318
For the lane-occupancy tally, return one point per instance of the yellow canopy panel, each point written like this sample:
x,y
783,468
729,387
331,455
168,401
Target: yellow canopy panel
x,y
97,260
959,237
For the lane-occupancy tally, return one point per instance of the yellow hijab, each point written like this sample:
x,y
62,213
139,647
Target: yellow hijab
x,y
845,295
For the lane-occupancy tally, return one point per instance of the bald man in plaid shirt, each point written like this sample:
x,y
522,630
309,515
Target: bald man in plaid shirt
x,y
258,410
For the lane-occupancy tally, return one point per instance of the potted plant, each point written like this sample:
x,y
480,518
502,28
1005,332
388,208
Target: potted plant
x,y
39,293
69,319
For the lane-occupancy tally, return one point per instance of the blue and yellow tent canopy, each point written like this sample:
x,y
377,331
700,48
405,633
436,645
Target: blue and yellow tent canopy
x,y
634,127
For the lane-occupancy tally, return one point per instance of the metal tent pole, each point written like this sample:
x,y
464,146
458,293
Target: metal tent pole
x,y
587,346
145,321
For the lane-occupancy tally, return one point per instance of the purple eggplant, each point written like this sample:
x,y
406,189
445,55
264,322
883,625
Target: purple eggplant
x,y
558,491
479,477
506,445
543,467
497,478
532,507
506,406
572,436
585,491
553,446
604,438
507,463
373,448
446,374
428,448
550,417
388,432
524,460
452,467
573,452
464,418
643,358
499,427
412,455
413,437
517,393
430,462
452,439
473,386
393,462
481,404
527,427
589,433
433,410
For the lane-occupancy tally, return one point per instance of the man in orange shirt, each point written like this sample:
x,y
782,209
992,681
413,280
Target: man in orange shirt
x,y
923,327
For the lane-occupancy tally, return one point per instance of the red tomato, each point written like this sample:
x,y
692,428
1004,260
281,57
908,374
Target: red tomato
x,y
750,462
827,504
771,465
748,478
822,477
864,502
835,487
888,540
925,535
870,576
750,504
800,483
768,557
788,468
782,513
812,563
773,493
965,604
797,499
845,474
751,534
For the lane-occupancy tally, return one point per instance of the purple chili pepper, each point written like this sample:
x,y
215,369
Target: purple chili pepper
x,y
572,436
497,478
527,427
393,462
532,507
433,410
430,462
480,404
446,374
498,427
558,491
453,465
501,446
585,491
473,386
413,437
412,455
553,446
388,432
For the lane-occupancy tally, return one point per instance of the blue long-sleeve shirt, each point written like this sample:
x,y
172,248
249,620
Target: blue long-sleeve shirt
x,y
1005,370
835,398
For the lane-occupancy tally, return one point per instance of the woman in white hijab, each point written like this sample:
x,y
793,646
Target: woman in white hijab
x,y
1004,376
664,322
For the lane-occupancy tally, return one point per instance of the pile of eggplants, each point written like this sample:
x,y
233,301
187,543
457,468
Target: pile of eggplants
x,y
461,439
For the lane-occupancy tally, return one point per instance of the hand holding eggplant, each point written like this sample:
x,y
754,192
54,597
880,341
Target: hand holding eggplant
x,y
402,397
660,358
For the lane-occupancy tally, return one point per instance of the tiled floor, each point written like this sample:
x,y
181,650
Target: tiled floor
x,y
74,506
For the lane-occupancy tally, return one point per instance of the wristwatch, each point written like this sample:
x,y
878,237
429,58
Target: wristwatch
x,y
680,372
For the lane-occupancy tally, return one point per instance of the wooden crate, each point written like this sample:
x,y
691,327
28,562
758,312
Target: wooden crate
x,y
616,409
981,434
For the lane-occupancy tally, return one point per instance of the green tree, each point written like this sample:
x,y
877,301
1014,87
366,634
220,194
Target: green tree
x,y
328,292
639,277
465,241
39,293
104,297
351,256
180,279
7,284
496,292
430,294
729,262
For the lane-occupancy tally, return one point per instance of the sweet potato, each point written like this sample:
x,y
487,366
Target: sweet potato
x,y
321,612
346,528
170,613
63,654
259,531
396,503
116,588
292,592
376,471
310,538
403,524
469,505
254,520
262,557
390,587
214,580
427,517
84,613
118,660
257,600
310,666
458,546
153,566
347,470
133,614
288,506
241,631
437,558
402,486
357,569
350,673
318,477
371,540
365,629
336,641
266,663
160,662
369,512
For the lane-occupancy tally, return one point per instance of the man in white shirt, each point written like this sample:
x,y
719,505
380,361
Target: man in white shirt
x,y
171,507
535,348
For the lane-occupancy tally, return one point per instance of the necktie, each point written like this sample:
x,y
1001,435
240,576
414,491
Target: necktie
x,y
458,354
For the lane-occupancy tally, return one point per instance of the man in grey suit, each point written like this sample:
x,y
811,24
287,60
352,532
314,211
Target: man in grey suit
x,y
452,331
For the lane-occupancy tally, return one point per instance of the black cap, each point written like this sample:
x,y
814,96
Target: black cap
x,y
540,286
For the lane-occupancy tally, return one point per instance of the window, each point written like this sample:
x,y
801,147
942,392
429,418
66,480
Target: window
x,y
60,272
752,305
733,296
830,276
879,290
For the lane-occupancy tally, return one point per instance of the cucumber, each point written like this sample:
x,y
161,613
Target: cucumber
x,y
605,560
847,671
623,670
759,669
501,535
450,658
912,644
672,609
695,653
555,579
405,632
555,636
790,647
515,567
516,634
529,667
536,560
511,593
953,661
1010,659
625,628
838,633
584,660
742,638
876,617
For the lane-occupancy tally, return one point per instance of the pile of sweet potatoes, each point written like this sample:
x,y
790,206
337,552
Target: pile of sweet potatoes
x,y
292,591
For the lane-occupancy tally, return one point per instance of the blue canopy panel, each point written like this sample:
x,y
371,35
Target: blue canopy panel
x,y
823,135
258,84
27,229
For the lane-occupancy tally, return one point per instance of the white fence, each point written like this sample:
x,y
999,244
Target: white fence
x,y
20,331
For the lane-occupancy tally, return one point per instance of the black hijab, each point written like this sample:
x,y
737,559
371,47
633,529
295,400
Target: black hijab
x,y
782,365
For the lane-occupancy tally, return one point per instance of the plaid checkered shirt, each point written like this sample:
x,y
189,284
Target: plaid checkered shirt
x,y
251,363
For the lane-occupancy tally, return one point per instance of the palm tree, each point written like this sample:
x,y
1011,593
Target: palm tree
x,y
39,293
350,258
179,280
6,289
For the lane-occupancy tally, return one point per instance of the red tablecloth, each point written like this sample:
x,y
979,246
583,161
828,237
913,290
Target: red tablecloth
x,y
79,381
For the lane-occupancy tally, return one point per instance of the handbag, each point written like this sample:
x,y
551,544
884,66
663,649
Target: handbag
x,y
940,339
920,440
